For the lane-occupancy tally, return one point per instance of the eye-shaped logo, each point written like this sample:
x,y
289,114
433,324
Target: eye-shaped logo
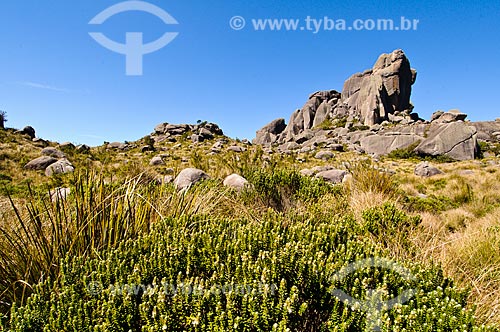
x,y
134,49
373,305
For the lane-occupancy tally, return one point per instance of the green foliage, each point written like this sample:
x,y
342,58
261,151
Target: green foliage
x,y
209,274
432,204
405,153
389,224
281,188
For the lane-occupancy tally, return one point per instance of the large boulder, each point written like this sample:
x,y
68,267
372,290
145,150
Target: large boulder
x,y
28,130
334,176
447,117
188,177
456,140
62,166
384,144
236,182
40,163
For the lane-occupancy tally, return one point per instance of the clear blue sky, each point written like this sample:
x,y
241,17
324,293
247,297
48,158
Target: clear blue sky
x,y
56,78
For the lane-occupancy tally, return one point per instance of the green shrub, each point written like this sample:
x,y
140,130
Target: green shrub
x,y
281,188
209,274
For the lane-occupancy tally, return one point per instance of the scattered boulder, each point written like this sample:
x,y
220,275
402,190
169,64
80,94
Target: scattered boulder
x,y
53,152
425,170
117,146
324,155
40,163
62,166
236,182
157,161
235,148
188,177
333,176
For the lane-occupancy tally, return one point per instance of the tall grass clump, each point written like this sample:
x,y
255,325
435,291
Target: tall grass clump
x,y
99,214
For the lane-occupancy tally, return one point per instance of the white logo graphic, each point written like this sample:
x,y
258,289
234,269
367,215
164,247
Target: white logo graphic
x,y
134,49
373,305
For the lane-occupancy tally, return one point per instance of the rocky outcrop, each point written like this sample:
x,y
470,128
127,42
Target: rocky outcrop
x,y
373,115
372,97
269,133
456,140
383,90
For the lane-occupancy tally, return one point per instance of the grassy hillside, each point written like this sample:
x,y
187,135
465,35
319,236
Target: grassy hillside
x,y
264,259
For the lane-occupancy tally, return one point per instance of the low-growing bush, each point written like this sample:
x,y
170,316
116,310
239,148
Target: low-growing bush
x,y
210,274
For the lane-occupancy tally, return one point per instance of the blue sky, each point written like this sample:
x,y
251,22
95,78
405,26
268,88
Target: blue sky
x,y
56,78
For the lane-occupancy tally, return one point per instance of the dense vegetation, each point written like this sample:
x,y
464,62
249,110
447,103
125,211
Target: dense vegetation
x,y
125,253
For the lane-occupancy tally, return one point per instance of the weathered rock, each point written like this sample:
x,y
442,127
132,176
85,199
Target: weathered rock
x,y
67,146
188,177
425,170
333,176
436,115
62,166
53,152
381,145
40,163
197,138
324,155
83,148
383,90
269,133
157,161
456,140
236,182
28,130
236,148
450,116
117,145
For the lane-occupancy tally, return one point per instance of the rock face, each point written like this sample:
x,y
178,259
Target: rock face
x,y
188,177
368,98
456,140
373,115
384,144
40,163
425,170
236,182
383,90
62,166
